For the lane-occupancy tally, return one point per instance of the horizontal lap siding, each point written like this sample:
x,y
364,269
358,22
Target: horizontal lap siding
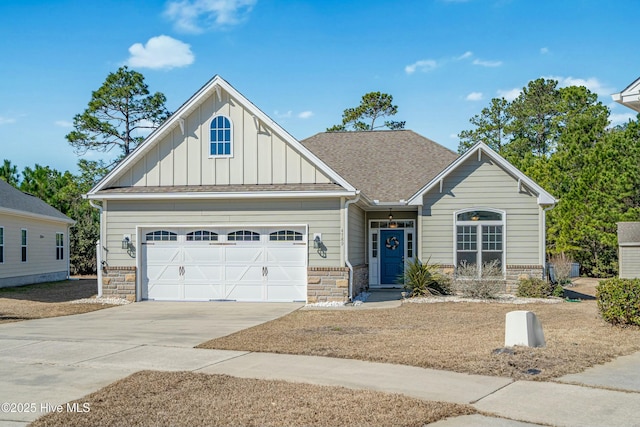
x,y
629,262
322,216
357,236
481,184
41,252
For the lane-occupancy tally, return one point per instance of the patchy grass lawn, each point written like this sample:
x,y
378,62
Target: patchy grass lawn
x,y
47,300
457,337
151,398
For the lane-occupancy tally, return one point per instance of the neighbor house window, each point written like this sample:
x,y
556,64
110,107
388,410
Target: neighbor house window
x,y
23,245
59,246
220,137
1,245
479,238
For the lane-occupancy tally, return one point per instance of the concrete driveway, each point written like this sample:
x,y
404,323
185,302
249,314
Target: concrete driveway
x,y
49,362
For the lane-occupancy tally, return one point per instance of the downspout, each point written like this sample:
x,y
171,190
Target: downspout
x,y
346,241
98,250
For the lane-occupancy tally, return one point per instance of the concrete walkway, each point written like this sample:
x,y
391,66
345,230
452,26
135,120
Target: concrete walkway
x,y
53,361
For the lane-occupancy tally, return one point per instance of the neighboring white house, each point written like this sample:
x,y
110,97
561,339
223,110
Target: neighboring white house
x,y
629,232
221,203
34,239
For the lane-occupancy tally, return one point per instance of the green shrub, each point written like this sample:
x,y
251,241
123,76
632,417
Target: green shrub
x,y
425,279
486,285
619,301
558,291
534,287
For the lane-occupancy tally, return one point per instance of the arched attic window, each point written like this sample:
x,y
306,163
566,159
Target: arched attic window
x,y
221,137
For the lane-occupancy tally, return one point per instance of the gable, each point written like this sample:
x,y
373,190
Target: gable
x,y
481,151
258,154
179,153
630,96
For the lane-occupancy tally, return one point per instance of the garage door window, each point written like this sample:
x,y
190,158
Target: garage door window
x,y
285,236
243,235
161,236
202,236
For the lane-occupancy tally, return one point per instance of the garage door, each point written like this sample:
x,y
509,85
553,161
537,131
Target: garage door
x,y
246,264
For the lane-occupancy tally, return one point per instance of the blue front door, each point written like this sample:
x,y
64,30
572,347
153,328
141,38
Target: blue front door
x,y
391,256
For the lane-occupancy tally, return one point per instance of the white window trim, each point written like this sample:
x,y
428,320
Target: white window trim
x,y
2,245
25,245
61,246
502,222
221,156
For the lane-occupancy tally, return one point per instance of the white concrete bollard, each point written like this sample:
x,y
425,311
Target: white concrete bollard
x,y
523,328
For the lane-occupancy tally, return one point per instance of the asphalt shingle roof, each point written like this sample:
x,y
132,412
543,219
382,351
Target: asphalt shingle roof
x,y
386,165
629,232
11,198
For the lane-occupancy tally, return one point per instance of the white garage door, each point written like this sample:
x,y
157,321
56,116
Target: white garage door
x,y
242,264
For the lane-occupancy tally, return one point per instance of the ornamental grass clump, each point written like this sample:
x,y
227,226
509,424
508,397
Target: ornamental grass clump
x,y
424,279
484,284
619,301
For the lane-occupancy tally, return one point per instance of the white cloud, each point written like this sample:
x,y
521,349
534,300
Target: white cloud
x,y
467,54
63,123
280,115
544,50
592,83
305,114
160,52
453,136
6,120
621,118
197,16
509,94
487,63
474,96
424,65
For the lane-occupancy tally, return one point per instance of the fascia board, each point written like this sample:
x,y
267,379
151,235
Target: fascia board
x,y
544,198
223,195
36,216
193,102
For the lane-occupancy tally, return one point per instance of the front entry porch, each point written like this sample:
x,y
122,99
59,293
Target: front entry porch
x,y
391,245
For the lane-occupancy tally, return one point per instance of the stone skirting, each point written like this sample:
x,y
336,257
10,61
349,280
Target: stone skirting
x,y
119,282
514,273
327,284
360,279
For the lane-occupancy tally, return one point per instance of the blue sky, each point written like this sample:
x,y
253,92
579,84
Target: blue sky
x,y
303,62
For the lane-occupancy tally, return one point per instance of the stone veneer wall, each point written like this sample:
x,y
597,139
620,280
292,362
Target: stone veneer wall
x,y
119,282
360,279
513,274
327,284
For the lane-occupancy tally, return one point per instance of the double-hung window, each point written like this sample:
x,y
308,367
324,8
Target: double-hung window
x,y
220,137
479,238
23,245
59,246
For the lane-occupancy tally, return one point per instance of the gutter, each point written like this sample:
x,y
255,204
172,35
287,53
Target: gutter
x,y
98,250
346,240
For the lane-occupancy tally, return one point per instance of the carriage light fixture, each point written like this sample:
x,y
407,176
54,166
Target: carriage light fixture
x,y
317,240
126,241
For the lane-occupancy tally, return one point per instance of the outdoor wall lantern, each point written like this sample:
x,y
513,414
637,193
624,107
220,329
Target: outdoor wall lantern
x,y
392,224
317,241
126,241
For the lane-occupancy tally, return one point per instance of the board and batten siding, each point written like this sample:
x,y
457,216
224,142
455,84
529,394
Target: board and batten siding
x,y
259,155
321,216
357,236
41,251
482,184
629,262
